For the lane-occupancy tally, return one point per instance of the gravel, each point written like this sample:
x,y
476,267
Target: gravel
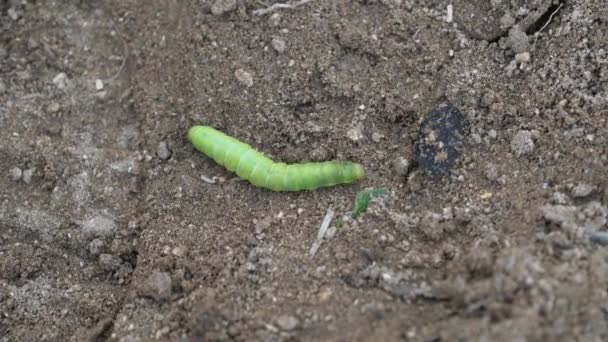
x,y
27,176
518,40
401,166
287,322
61,80
158,285
98,226
96,246
109,262
522,143
220,7
279,44
163,152
15,174
244,78
582,190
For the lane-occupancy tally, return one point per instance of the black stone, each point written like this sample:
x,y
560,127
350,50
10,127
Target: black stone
x,y
440,140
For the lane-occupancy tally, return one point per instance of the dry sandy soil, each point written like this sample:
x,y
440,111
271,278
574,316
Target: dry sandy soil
x,y
110,230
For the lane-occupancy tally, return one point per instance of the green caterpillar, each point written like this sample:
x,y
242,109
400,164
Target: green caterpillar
x,y
261,171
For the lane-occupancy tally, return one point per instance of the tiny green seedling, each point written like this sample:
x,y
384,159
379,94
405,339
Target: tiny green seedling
x,y
363,198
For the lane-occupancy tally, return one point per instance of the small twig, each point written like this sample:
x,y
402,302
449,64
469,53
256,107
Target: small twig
x,y
125,48
322,230
278,6
546,24
208,180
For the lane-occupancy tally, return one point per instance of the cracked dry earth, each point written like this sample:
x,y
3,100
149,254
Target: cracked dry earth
x,y
113,228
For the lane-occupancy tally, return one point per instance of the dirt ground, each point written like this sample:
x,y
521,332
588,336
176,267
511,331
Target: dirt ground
x,y
111,231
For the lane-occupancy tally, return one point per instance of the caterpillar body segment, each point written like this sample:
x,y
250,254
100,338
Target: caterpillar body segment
x,y
261,171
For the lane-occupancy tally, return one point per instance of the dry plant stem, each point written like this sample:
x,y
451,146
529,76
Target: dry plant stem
x,y
279,6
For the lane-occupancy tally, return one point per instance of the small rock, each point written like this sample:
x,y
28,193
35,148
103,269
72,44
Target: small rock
x,y
430,225
356,133
53,107
2,87
12,13
163,151
109,262
262,225
220,7
275,19
287,322
318,154
279,44
376,137
98,85
98,226
491,172
522,143
559,198
522,57
15,174
244,78
582,190
158,286
518,40
178,252
401,166
476,138
96,246
61,80
27,176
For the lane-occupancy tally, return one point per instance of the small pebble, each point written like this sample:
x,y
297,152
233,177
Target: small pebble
x,y
53,107
491,172
244,78
158,286
287,322
98,85
582,190
15,174
163,151
109,262
27,176
522,143
376,137
476,138
220,7
61,80
356,133
522,57
98,226
12,13
96,246
178,252
331,233
401,166
559,198
279,44
518,40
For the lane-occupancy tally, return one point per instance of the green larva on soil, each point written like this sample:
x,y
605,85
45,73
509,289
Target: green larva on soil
x,y
261,171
